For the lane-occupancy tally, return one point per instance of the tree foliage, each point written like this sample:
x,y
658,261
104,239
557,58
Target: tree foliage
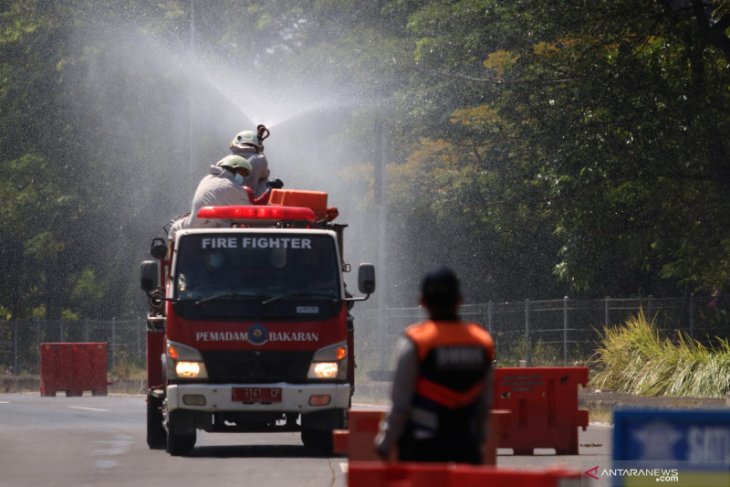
x,y
541,148
611,120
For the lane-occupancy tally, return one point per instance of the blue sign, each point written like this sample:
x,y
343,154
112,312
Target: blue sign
x,y
677,447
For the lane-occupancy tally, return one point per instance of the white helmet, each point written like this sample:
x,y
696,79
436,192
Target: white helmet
x,y
247,138
234,162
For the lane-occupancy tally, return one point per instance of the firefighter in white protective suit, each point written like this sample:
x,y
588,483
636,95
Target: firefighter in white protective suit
x,y
249,145
223,186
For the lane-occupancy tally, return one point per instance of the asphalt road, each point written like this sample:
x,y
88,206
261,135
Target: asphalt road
x,y
100,441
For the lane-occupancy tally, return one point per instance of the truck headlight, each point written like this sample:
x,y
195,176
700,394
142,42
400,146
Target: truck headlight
x,y
184,362
324,370
329,363
187,370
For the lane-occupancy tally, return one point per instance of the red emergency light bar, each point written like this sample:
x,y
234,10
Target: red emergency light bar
x,y
286,213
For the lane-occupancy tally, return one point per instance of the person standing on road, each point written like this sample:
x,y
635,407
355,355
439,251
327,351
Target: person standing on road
x,y
443,382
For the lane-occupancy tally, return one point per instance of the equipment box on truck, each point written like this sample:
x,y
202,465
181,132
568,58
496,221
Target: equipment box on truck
x,y
249,327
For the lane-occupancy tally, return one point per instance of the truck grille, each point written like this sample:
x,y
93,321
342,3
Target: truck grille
x,y
257,367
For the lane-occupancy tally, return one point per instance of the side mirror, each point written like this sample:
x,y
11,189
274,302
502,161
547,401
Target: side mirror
x,y
366,278
158,249
149,275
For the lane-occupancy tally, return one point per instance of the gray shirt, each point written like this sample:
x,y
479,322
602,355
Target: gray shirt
x,y
215,189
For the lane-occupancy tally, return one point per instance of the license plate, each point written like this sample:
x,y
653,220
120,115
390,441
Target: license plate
x,y
256,394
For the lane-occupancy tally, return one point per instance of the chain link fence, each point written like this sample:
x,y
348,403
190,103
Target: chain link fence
x,y
538,332
548,332
20,341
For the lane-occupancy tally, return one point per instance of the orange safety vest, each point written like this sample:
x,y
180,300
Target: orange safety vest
x,y
454,358
446,415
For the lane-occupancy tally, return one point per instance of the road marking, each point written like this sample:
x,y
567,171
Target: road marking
x,y
83,408
343,467
4,402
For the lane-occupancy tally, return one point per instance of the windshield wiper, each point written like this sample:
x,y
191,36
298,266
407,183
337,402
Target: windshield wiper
x,y
299,294
229,295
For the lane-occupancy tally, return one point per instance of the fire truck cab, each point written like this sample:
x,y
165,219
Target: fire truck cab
x,y
249,327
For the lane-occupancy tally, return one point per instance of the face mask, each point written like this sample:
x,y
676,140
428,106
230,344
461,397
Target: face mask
x,y
238,180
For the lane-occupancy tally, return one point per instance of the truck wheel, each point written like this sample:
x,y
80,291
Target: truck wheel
x,y
320,440
156,435
180,436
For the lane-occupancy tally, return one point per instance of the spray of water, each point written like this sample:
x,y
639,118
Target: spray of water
x,y
208,99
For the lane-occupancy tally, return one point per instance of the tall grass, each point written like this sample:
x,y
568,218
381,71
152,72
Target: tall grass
x,y
511,351
127,369
633,358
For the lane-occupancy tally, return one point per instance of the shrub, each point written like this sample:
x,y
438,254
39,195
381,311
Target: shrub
x,y
634,358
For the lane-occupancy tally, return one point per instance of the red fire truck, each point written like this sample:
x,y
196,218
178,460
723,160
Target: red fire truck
x,y
249,327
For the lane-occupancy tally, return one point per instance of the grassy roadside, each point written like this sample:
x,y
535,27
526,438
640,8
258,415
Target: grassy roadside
x,y
126,377
634,359
30,384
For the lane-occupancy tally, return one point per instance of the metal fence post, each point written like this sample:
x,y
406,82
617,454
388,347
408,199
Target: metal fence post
x,y
489,316
648,308
86,330
528,345
112,344
38,346
565,330
692,314
606,312
139,342
15,348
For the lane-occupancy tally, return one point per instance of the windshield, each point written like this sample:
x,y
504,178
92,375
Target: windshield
x,y
264,267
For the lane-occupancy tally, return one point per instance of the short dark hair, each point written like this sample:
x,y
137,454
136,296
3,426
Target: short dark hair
x,y
440,289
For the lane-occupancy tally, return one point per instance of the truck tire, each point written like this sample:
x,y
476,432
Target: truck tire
x,y
319,440
156,435
180,436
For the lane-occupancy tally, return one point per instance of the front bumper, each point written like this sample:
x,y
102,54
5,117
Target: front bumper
x,y
294,397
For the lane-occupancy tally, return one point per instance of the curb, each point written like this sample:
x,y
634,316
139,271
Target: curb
x,y
379,393
609,401
11,384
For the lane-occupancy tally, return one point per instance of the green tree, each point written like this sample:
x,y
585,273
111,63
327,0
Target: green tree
x,y
607,124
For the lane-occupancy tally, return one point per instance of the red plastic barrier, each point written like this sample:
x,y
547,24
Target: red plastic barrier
x,y
500,422
339,441
358,441
544,405
369,474
73,368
